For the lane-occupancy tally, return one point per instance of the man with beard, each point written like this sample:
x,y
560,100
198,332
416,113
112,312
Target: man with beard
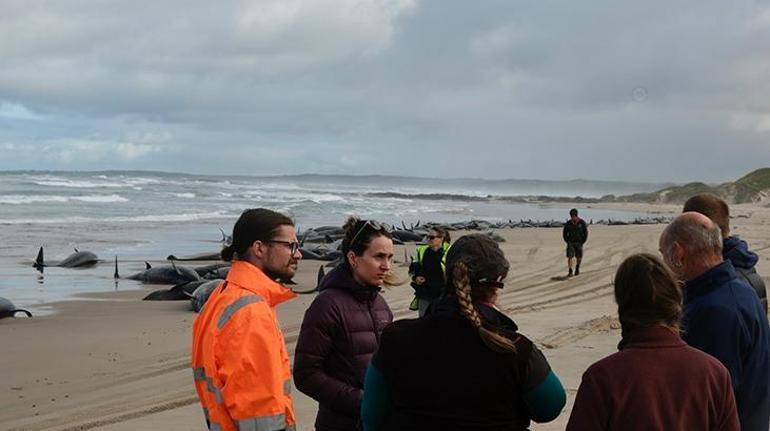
x,y
239,360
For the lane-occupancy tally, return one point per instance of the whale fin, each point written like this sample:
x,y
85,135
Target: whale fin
x,y
320,277
76,250
173,265
147,265
403,225
116,275
226,239
39,260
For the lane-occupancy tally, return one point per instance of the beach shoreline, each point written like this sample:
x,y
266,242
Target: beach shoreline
x,y
109,361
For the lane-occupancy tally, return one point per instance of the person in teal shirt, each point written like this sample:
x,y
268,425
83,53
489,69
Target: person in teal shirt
x,y
463,366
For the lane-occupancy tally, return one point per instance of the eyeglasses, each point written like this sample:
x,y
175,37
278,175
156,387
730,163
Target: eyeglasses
x,y
293,245
434,236
375,225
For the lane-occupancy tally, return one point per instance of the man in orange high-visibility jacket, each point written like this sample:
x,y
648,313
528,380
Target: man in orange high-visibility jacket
x,y
239,358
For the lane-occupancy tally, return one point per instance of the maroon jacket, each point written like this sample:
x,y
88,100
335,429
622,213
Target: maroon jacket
x,y
655,382
340,333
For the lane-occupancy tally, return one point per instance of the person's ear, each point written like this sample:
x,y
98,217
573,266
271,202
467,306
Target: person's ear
x,y
258,249
352,259
678,252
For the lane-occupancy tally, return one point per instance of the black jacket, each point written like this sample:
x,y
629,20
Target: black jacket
x,y
575,232
442,376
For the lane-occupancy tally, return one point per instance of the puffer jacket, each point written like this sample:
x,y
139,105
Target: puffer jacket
x,y
340,333
737,252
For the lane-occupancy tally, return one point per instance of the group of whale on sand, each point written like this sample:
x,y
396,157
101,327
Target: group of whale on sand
x,y
319,244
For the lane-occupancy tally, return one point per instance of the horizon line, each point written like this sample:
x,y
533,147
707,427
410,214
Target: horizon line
x,y
310,174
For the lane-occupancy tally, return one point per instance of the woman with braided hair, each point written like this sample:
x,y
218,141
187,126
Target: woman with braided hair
x,y
463,366
341,329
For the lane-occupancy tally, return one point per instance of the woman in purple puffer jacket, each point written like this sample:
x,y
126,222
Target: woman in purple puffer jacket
x,y
341,330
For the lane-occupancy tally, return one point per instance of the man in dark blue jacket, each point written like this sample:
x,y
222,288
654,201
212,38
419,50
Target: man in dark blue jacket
x,y
722,315
734,249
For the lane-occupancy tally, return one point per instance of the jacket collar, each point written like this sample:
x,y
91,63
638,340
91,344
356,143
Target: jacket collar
x,y
708,281
251,278
342,278
650,337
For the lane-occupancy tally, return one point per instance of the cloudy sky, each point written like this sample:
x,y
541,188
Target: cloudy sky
x,y
553,89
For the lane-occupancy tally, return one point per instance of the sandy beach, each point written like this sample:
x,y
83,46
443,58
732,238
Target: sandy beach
x,y
113,362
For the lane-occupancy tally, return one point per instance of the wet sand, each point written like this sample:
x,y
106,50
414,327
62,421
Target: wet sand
x,y
113,362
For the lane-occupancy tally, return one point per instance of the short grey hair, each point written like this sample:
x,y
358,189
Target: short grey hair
x,y
698,239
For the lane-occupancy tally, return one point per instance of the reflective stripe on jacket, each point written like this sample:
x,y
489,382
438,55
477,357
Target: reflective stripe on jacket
x,y
420,252
239,360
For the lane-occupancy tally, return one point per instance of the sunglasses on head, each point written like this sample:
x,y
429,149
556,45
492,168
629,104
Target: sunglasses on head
x,y
499,284
375,225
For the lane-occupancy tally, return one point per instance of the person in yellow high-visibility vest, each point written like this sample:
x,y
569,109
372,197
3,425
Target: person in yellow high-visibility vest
x,y
427,270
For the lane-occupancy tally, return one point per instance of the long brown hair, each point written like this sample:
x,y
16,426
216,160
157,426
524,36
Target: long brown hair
x,y
472,259
647,293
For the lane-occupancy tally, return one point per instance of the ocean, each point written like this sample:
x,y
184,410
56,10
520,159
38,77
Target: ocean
x,y
139,216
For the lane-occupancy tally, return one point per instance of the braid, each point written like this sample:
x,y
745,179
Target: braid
x,y
463,290
492,339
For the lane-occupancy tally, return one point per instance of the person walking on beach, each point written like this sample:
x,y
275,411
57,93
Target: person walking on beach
x,y
239,360
575,234
341,329
722,314
428,268
655,381
734,249
464,366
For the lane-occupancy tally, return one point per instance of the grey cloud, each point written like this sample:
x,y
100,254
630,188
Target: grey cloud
x,y
445,88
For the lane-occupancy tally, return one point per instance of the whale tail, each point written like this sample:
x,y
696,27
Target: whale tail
x,y
39,264
21,310
116,275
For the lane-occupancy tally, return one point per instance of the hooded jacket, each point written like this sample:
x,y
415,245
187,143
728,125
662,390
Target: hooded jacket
x,y
239,360
340,333
723,317
744,260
